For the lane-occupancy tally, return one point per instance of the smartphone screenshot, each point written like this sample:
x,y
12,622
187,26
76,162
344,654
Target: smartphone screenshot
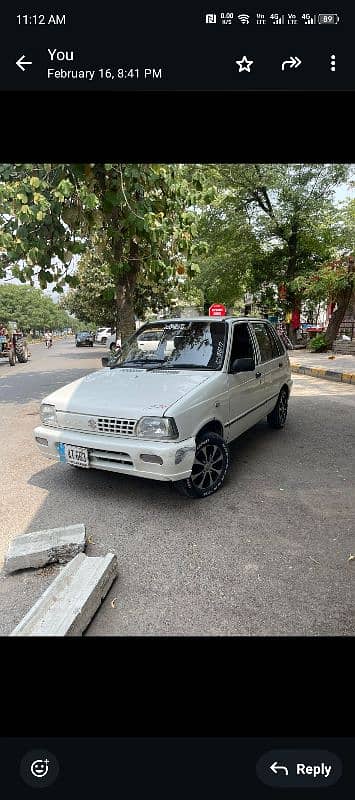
x,y
177,394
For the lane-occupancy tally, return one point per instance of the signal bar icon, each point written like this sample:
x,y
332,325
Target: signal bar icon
x,y
308,19
244,18
277,19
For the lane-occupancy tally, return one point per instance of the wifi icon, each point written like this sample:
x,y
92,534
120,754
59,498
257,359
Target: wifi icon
x,y
244,19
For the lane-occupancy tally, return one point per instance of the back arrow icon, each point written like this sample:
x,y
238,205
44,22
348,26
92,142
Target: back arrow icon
x,y
293,62
20,63
275,767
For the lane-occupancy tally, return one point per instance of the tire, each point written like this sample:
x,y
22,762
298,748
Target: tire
x,y
277,418
104,340
211,448
21,351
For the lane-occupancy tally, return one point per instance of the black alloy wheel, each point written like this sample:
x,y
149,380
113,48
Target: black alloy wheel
x,y
209,468
277,418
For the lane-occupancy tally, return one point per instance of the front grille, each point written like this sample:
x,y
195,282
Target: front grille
x,y
120,427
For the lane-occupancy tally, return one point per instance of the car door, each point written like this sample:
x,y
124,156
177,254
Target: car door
x,y
273,362
245,388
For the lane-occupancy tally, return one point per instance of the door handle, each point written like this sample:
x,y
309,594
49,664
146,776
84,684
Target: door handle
x,y
258,374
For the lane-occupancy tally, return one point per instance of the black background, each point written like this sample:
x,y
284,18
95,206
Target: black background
x,y
174,36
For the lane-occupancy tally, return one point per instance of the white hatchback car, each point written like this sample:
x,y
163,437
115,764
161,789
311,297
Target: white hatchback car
x,y
107,336
168,411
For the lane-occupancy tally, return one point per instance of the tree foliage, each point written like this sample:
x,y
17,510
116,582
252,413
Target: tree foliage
x,y
95,295
31,309
269,224
137,227
143,213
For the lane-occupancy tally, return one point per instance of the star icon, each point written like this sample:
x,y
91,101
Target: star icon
x,y
244,65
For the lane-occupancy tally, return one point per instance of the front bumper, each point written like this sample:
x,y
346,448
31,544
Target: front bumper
x,y
123,453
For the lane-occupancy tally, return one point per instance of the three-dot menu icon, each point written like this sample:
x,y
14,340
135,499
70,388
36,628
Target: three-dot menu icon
x,y
332,63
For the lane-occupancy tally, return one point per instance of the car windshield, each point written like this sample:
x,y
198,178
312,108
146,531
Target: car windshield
x,y
186,345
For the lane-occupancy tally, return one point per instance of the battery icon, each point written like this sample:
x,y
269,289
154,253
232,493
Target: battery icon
x,y
328,19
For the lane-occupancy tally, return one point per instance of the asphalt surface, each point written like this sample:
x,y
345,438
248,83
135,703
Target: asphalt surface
x,y
267,555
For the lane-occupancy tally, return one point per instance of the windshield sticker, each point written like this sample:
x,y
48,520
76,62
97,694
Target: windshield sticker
x,y
158,405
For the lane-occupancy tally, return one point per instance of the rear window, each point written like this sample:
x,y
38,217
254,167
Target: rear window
x,y
267,344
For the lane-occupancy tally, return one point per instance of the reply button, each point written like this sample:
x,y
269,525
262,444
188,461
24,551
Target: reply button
x,y
299,769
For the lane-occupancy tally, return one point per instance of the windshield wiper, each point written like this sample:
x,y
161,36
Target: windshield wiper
x,y
140,361
188,366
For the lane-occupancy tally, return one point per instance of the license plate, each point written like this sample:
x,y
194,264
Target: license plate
x,y
78,456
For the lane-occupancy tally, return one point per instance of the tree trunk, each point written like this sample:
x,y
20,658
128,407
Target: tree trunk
x,y
292,244
338,316
125,289
125,313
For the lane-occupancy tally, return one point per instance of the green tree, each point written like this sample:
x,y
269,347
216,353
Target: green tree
x,y
226,268
94,297
335,282
290,212
143,213
30,309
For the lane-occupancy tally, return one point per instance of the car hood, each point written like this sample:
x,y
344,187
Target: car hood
x,y
130,393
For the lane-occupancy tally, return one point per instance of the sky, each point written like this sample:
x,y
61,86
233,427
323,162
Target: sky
x,y
344,192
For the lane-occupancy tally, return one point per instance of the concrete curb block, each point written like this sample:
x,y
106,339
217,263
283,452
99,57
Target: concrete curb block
x,y
328,374
66,608
45,547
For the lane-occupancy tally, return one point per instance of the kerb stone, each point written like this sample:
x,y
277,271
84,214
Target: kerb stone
x,y
45,547
68,605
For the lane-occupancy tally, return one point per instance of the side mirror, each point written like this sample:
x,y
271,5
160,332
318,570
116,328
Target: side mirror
x,y
243,365
104,361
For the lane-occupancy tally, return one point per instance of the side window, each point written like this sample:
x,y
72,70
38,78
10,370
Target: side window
x,y
242,346
266,342
279,346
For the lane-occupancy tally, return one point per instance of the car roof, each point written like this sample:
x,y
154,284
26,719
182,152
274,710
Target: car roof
x,y
227,318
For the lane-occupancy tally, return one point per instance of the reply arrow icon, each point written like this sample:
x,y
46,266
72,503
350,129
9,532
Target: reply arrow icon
x,y
293,61
20,63
275,767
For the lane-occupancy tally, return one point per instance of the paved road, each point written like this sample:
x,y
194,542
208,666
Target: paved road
x,y
267,555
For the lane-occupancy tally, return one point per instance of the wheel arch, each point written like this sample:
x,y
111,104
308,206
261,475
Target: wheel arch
x,y
213,426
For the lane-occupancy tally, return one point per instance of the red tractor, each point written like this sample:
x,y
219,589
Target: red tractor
x,y
13,346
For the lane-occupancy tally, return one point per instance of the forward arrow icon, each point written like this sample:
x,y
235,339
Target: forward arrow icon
x,y
294,61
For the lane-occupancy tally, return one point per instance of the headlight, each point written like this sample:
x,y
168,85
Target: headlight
x,y
157,428
48,415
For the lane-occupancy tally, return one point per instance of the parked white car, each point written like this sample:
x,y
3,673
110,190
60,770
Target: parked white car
x,y
169,412
107,337
103,334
